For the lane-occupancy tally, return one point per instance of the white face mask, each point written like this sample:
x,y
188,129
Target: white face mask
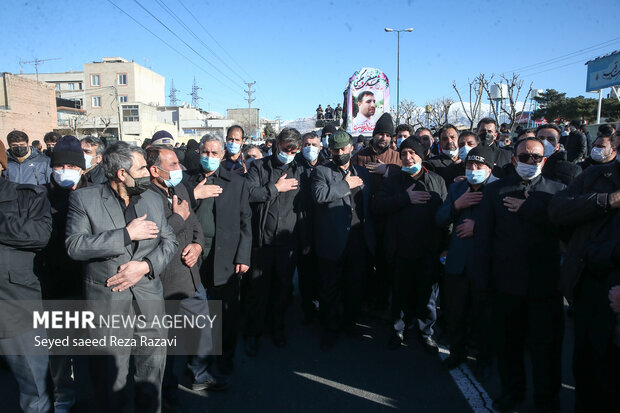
x,y
528,172
451,152
67,178
464,151
88,160
549,148
598,154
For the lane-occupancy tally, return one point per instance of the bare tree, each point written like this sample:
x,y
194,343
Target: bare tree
x,y
514,86
439,110
475,92
76,122
106,120
407,111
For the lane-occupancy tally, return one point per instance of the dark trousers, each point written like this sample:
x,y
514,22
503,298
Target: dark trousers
x,y
539,322
307,268
467,315
381,279
228,294
269,288
31,372
415,292
341,281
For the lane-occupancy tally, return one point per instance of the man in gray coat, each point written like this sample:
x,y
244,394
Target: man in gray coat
x,y
119,231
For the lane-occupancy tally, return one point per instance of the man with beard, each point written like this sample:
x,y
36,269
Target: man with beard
x,y
366,106
603,152
445,164
343,239
120,233
381,161
487,132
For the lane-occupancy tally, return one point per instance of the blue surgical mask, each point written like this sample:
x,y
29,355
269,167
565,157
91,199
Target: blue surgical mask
x,y
175,177
477,176
311,153
324,141
549,148
67,178
451,152
233,148
399,141
209,164
285,158
413,169
463,152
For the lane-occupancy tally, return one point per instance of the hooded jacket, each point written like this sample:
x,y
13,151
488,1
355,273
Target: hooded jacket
x,y
34,170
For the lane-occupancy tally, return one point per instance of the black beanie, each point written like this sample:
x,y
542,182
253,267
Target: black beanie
x,y
385,124
68,150
413,143
328,129
483,154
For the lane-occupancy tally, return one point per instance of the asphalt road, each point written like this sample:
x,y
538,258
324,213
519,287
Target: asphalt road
x,y
357,375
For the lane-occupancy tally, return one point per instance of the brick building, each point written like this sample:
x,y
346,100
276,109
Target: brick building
x,y
26,105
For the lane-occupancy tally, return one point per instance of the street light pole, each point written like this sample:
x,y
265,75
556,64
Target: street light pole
x,y
387,29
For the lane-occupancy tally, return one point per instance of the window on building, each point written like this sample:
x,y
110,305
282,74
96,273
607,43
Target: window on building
x,y
71,86
80,86
57,86
122,79
96,101
95,80
123,98
131,113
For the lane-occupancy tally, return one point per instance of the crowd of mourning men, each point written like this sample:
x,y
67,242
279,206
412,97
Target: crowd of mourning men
x,y
493,228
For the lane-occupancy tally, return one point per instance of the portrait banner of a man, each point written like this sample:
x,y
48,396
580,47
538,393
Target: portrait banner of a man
x,y
367,97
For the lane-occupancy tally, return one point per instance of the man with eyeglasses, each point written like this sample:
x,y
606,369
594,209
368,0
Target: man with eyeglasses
x,y
518,253
557,167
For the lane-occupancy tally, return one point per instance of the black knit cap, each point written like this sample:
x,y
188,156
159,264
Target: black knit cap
x,y
328,129
413,143
483,154
68,150
385,124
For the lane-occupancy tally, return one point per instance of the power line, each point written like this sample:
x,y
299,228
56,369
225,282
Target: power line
x,y
170,46
181,22
214,39
184,42
564,57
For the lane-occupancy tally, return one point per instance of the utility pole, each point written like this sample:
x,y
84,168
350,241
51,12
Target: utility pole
x,y
36,62
173,94
250,100
194,94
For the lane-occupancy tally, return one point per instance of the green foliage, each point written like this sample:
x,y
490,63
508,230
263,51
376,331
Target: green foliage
x,y
554,105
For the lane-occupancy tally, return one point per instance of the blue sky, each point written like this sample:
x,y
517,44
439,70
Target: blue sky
x,y
301,53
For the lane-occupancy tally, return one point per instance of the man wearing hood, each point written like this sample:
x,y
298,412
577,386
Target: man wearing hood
x,y
25,165
518,258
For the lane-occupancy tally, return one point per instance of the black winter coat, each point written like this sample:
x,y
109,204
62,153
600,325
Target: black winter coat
x,y
558,168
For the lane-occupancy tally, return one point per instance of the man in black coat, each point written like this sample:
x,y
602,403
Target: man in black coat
x,y
25,229
343,238
273,185
308,159
93,148
220,200
603,152
413,242
487,131
576,143
590,268
517,251
447,164
459,211
181,277
192,156
557,167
